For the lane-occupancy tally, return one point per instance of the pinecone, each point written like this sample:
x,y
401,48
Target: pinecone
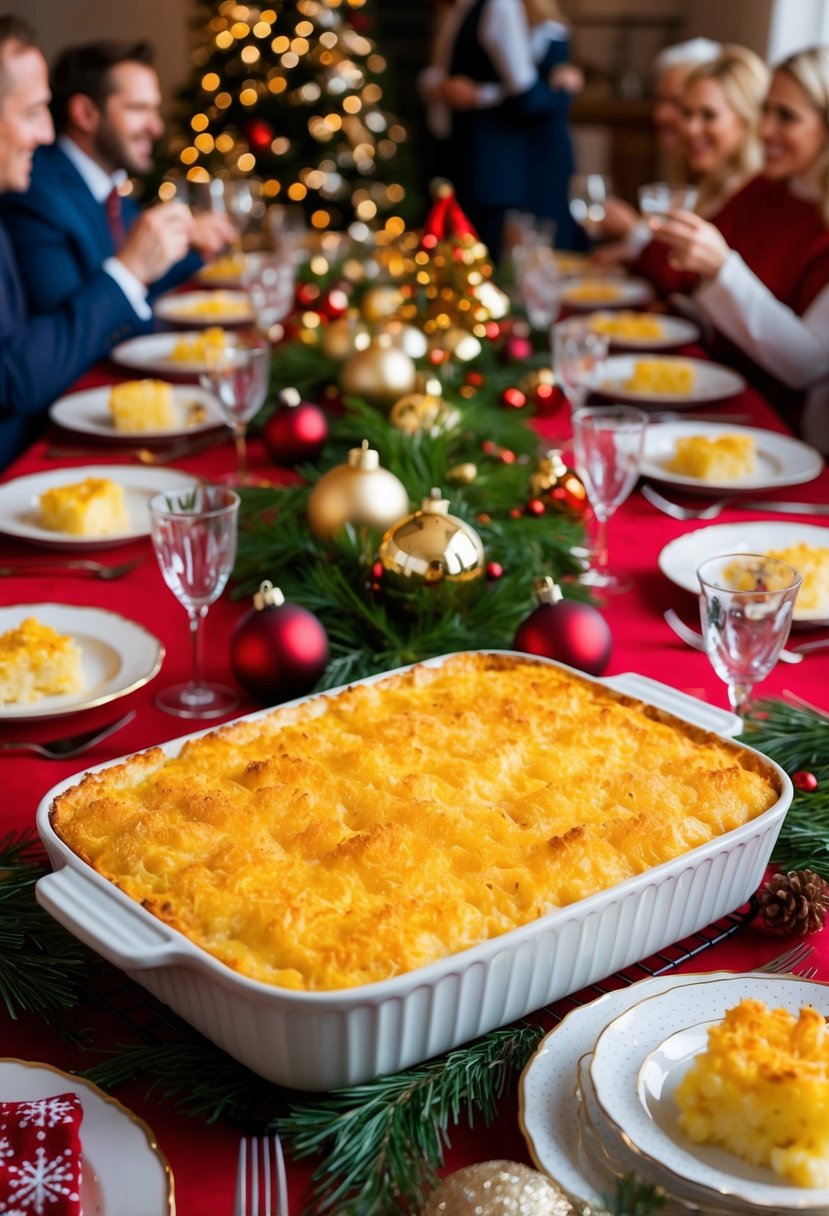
x,y
796,902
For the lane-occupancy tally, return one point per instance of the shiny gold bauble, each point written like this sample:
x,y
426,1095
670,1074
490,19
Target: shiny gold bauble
x,y
432,547
422,412
380,302
359,492
557,485
344,336
406,337
498,1188
457,342
381,373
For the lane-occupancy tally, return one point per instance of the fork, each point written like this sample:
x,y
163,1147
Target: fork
x,y
261,1181
31,565
691,638
70,745
668,507
789,959
149,456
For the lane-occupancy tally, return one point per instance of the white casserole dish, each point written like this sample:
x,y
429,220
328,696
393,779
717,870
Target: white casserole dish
x,y
324,1040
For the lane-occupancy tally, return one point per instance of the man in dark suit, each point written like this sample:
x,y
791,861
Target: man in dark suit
x,y
41,356
106,104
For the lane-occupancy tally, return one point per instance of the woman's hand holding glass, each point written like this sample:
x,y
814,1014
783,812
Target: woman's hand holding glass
x,y
746,603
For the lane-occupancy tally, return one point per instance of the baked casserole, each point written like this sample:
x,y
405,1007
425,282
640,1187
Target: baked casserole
x,y
351,838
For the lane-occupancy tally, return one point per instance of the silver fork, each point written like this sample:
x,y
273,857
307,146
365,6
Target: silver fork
x,y
70,745
789,959
261,1181
691,638
668,507
33,565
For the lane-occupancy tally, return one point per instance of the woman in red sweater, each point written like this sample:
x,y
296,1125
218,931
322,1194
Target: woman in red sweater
x,y
762,269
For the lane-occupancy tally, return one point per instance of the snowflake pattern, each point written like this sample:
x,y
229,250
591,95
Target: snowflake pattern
x,y
6,1148
46,1112
44,1180
40,1165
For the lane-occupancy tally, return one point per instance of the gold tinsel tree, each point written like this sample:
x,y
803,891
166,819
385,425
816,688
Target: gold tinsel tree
x,y
293,94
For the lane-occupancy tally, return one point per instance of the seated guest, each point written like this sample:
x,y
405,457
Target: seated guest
x,y
106,106
41,356
761,271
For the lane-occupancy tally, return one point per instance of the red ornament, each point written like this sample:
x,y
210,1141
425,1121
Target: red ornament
x,y
494,570
296,431
805,781
277,650
566,630
513,398
259,135
535,507
516,348
334,303
307,294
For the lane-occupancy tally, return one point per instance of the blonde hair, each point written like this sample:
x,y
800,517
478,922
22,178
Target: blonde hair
x,y
744,80
810,69
543,10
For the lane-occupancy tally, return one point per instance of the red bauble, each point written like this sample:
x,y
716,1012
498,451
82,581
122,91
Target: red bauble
x,y
805,781
571,632
296,431
277,650
308,295
516,348
334,303
259,135
513,398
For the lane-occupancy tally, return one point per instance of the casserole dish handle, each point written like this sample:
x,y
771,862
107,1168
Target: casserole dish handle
x,y
113,929
709,717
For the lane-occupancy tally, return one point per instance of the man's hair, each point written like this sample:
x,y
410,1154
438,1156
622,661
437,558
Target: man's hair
x,y
88,70
13,30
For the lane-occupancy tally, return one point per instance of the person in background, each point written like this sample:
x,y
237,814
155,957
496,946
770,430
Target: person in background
x,y
41,356
106,105
761,272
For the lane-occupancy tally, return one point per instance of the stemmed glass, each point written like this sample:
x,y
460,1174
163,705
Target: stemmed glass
x,y
287,229
607,441
746,602
588,195
194,538
238,377
538,283
660,198
578,355
269,278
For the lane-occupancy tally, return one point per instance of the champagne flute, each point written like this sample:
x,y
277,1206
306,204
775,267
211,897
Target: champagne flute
x,y
746,602
578,355
607,441
238,377
194,537
588,195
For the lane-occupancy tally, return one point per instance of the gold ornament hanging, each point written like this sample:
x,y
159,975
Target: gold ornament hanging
x,y
359,492
432,547
456,342
406,337
381,373
380,302
558,486
426,411
495,1188
344,336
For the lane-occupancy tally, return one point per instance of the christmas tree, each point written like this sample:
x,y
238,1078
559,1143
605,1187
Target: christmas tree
x,y
292,95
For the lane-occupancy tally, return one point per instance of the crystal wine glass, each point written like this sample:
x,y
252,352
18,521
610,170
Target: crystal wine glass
x,y
238,377
194,538
746,603
660,198
588,195
607,441
538,283
578,355
287,229
269,279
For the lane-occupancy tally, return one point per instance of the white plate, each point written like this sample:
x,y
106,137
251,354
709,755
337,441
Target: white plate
x,y
184,308
712,382
88,413
548,1098
639,1059
676,331
681,558
119,656
19,502
628,292
124,1171
150,354
780,459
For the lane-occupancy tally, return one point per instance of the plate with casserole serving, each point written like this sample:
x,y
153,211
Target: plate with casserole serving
x,y
180,355
378,802
61,658
88,507
148,410
804,546
124,1171
664,379
643,330
596,291
220,307
715,457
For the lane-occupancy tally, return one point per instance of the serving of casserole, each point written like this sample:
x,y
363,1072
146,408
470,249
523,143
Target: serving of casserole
x,y
359,880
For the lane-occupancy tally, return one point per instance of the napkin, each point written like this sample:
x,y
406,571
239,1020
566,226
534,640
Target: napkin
x,y
40,1156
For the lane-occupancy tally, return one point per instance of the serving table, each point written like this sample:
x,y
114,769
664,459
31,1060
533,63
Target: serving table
x,y
203,1157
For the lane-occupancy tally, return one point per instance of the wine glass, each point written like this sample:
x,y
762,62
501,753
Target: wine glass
x,y
288,230
746,602
578,355
538,283
660,198
194,538
269,279
588,195
607,441
238,377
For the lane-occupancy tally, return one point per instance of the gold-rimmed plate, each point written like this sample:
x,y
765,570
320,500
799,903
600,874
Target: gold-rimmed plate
x,y
124,1171
118,656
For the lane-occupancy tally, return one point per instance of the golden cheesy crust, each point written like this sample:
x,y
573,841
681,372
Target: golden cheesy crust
x,y
356,837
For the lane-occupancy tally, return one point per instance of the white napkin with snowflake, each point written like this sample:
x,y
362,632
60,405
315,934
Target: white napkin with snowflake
x,y
40,1156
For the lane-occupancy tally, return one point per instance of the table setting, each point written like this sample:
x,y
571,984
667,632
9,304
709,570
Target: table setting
x,y
495,1058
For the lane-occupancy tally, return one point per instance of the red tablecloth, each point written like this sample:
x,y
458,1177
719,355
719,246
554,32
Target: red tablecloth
x,y
203,1158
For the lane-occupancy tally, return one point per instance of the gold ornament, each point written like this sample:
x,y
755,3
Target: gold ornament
x,y
379,303
423,412
496,1188
344,336
359,492
463,474
557,485
433,547
406,337
381,373
458,343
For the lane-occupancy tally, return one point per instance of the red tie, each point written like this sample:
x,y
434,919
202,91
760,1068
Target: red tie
x,y
115,217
